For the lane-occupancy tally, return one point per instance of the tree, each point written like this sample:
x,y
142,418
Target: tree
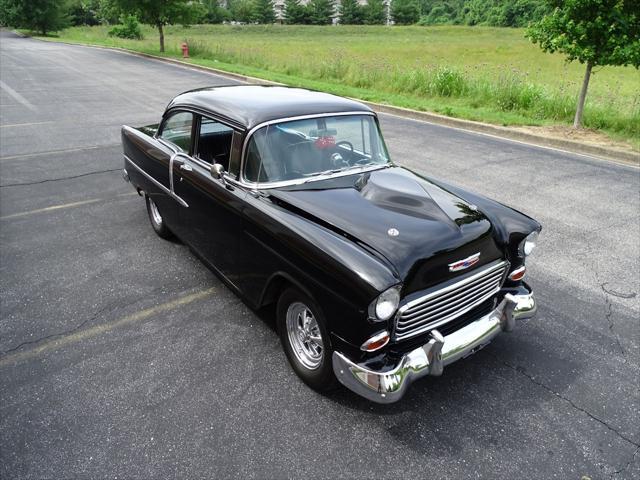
x,y
295,13
375,12
162,12
321,12
213,12
42,16
351,13
405,12
594,32
263,11
108,11
83,12
241,10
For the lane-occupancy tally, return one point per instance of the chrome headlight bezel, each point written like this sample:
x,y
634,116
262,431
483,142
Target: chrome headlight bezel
x,y
528,245
385,305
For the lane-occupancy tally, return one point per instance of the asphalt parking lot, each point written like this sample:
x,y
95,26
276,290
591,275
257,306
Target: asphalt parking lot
x,y
123,356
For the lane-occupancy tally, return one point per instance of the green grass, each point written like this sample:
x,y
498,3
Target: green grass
x,y
487,74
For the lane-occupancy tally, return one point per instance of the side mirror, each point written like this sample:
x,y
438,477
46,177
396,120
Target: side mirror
x,y
217,171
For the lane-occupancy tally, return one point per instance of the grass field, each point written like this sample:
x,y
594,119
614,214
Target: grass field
x,y
479,73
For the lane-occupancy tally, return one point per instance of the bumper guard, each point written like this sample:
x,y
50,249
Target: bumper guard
x,y
430,359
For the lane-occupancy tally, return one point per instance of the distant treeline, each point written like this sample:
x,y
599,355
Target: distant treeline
x,y
503,13
498,13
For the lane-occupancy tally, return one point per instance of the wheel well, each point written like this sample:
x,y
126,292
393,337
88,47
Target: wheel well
x,y
277,284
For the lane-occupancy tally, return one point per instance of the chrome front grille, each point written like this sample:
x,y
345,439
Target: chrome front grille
x,y
449,302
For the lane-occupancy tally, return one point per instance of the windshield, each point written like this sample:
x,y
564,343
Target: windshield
x,y
305,149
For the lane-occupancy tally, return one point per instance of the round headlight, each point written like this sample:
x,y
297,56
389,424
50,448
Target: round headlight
x,y
528,244
387,303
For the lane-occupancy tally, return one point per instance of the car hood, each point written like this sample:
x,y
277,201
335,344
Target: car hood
x,y
411,223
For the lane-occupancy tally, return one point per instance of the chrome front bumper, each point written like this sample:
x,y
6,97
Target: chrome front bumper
x,y
389,386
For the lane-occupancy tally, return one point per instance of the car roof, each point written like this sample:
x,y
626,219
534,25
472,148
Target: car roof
x,y
251,105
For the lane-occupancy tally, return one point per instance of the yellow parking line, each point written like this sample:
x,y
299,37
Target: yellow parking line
x,y
75,337
59,207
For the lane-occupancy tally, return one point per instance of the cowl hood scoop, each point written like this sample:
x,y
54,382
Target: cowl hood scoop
x,y
404,218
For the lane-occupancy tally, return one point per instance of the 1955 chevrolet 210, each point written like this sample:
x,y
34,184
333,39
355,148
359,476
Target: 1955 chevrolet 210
x,y
378,275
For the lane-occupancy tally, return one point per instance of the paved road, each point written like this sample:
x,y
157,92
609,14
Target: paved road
x,y
122,355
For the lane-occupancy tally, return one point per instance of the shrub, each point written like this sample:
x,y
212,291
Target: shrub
x,y
405,12
241,10
130,28
448,82
213,12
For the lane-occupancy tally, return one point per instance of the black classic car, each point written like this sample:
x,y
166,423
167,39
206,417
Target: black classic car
x,y
378,275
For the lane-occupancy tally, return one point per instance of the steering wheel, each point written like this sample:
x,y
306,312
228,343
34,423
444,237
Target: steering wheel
x,y
344,142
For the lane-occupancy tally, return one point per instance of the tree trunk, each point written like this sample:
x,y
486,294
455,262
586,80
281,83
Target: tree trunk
x,y
577,121
161,32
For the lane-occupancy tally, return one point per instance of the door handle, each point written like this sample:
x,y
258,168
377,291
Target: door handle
x,y
186,168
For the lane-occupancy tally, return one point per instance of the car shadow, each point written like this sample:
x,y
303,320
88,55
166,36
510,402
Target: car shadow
x,y
475,401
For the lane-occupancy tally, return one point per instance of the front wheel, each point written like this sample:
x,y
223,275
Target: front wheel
x,y
305,339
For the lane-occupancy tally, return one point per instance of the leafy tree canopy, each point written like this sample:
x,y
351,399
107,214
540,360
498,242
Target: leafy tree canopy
x,y
162,12
499,13
241,10
43,16
405,12
213,12
603,32
594,32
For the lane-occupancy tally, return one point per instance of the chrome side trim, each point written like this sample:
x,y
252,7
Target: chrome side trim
x,y
390,385
155,182
285,183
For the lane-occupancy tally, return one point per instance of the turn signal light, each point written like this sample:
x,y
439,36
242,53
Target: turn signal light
x,y
518,274
376,342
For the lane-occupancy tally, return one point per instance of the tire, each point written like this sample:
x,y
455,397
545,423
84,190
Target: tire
x,y
314,370
157,222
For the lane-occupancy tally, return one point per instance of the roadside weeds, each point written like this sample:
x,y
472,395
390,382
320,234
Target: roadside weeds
x,y
516,134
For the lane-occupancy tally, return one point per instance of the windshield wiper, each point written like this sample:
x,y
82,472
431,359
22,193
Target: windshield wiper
x,y
312,176
325,172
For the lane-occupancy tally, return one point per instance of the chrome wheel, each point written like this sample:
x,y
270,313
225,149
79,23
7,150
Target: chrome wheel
x,y
304,335
155,214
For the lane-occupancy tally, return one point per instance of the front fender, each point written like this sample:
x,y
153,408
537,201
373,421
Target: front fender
x,y
510,226
339,274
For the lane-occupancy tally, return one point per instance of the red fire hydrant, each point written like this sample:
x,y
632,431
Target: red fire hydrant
x,y
185,50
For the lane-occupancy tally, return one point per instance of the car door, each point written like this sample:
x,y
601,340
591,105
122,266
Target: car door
x,y
212,223
175,138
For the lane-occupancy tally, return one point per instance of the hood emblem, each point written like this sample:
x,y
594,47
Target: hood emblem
x,y
392,232
464,264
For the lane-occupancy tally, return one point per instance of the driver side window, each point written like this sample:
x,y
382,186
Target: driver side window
x,y
177,130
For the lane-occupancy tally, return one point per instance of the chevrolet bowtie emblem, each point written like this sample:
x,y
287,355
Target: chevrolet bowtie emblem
x,y
466,263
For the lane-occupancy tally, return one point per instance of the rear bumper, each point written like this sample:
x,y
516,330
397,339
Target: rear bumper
x,y
390,385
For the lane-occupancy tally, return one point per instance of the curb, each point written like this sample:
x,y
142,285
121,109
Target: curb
x,y
618,156
614,155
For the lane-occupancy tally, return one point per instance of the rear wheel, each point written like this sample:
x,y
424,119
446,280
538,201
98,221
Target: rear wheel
x,y
305,339
155,217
